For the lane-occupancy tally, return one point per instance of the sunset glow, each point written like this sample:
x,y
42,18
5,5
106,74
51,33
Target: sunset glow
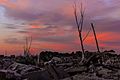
x,y
51,25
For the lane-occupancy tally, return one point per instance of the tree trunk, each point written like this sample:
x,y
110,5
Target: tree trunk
x,y
95,37
82,46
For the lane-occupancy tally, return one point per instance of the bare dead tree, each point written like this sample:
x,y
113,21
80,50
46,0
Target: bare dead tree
x,y
79,19
95,36
27,46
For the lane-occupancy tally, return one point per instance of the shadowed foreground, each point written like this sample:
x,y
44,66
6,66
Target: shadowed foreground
x,y
58,66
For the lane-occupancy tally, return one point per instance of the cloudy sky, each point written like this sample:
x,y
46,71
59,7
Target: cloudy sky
x,y
52,26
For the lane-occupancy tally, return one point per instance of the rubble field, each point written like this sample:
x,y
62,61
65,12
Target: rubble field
x,y
95,66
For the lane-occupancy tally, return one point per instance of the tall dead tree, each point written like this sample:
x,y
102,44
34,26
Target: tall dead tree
x,y
27,46
79,19
95,36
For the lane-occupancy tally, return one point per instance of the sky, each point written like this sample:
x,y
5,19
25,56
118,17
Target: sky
x,y
52,25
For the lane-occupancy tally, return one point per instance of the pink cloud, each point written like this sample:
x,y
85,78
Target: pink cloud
x,y
51,22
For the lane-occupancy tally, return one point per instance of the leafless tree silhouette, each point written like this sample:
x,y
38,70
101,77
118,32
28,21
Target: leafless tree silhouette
x,y
79,19
27,46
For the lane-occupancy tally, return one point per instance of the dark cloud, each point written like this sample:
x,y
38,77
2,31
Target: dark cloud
x,y
23,32
56,17
13,41
112,43
12,27
107,26
57,39
21,15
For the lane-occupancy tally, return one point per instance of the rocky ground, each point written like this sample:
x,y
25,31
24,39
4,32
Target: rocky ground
x,y
96,66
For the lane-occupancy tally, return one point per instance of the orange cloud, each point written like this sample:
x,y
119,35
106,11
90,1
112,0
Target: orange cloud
x,y
8,4
35,26
19,4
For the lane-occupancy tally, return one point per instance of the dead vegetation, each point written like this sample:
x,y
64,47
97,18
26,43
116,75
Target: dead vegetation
x,y
82,65
27,46
79,19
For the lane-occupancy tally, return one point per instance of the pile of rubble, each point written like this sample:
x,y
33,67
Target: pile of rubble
x,y
16,71
94,67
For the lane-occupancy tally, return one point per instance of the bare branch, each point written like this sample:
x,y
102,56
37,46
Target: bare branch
x,y
30,43
27,45
86,35
76,16
81,22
